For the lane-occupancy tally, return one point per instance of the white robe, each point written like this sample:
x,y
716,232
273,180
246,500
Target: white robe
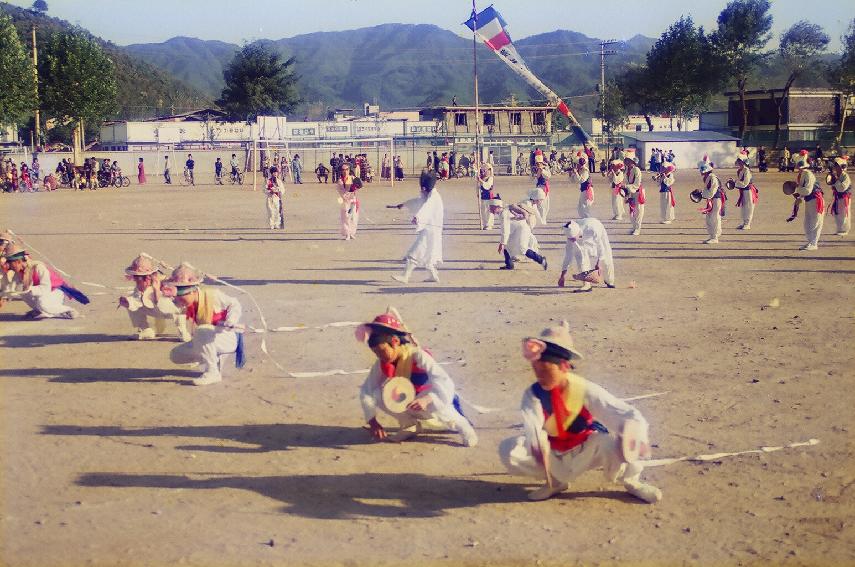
x,y
590,249
516,235
428,211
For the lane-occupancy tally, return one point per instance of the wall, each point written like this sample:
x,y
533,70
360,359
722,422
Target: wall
x,y
688,154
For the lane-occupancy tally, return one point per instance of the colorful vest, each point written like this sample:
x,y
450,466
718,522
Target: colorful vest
x,y
406,367
56,280
202,312
568,422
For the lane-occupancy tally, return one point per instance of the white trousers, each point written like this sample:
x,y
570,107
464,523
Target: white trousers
x,y
489,218
617,206
49,305
637,218
142,317
585,207
446,414
543,208
747,208
813,222
206,348
274,218
666,211
843,217
713,219
599,450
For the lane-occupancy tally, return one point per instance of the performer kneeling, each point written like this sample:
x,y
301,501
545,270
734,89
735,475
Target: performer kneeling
x,y
428,212
39,286
573,425
148,303
216,317
588,246
407,383
517,239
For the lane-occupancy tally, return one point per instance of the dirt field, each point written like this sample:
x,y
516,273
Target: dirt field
x,y
111,458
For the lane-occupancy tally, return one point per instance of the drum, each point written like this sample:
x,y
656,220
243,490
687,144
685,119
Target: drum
x,y
730,184
398,393
696,196
148,297
789,187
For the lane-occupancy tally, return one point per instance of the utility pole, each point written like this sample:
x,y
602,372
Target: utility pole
x,y
603,53
36,88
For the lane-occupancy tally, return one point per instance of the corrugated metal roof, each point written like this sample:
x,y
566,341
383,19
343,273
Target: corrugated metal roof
x,y
696,136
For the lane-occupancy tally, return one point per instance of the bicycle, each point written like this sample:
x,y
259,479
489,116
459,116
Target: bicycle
x,y
121,181
236,177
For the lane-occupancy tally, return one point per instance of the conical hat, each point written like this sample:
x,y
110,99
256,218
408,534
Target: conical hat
x,y
142,265
184,275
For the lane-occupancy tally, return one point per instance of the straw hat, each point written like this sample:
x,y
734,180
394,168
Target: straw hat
x,y
616,163
536,194
184,275
390,321
14,252
629,154
496,201
572,230
555,341
743,157
6,237
842,161
142,265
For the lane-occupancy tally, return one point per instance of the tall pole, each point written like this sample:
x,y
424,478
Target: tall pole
x,y
603,54
36,88
477,113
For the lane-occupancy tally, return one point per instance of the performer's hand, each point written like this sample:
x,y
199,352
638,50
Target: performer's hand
x,y
419,404
501,248
123,302
791,219
377,431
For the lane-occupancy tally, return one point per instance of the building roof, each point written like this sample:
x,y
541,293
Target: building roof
x,y
201,115
794,91
487,108
668,136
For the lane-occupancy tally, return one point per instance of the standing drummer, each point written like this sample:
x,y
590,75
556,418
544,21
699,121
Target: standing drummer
x,y
715,197
842,187
809,191
398,355
748,195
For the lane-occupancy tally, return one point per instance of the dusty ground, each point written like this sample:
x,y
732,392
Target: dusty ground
x,y
111,458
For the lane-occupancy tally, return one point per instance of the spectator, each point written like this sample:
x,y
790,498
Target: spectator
x,y
297,169
322,173
141,172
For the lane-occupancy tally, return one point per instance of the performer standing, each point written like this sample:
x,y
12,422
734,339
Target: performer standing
x,y
428,211
808,189
216,317
588,246
714,209
579,174
40,286
748,195
573,425
400,357
517,239
485,181
275,200
667,204
616,178
542,173
842,187
147,302
635,191
347,187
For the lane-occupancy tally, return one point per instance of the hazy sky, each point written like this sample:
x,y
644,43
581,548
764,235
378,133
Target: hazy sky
x,y
147,21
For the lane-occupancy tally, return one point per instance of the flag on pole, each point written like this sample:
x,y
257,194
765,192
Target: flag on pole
x,y
492,29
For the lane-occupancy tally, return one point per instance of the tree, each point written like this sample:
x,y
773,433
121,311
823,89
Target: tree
x,y
843,75
613,113
40,6
739,40
639,90
78,79
258,82
683,69
16,76
799,49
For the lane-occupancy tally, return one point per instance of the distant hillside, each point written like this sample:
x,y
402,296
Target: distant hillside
x,y
404,65
144,89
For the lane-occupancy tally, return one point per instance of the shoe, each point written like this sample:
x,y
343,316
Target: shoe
x,y
646,492
711,241
434,275
746,227
545,264
146,334
506,267
585,287
635,233
810,247
617,218
546,491
611,286
204,379
31,314
841,233
470,438
406,433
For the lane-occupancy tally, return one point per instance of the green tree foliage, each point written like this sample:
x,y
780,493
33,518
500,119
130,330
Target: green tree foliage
x,y
613,113
258,81
800,48
842,74
684,70
739,40
40,6
640,92
78,79
17,97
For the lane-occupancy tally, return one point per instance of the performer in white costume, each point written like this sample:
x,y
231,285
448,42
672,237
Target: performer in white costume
x,y
635,191
39,286
426,388
580,175
147,304
485,182
616,180
715,197
517,238
573,425
427,215
842,189
748,195
589,248
667,203
809,191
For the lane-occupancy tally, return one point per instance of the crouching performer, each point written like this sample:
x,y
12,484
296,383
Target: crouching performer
x,y
517,238
39,286
407,383
589,248
216,317
147,304
573,425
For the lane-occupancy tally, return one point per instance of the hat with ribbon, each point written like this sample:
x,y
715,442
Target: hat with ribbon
x,y
388,322
553,341
142,265
184,275
705,167
630,155
742,157
14,252
803,161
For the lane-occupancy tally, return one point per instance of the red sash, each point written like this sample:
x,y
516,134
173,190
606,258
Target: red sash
x,y
616,187
567,440
55,279
845,197
754,195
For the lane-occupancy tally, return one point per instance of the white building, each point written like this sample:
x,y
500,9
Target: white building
x,y
637,123
8,134
689,147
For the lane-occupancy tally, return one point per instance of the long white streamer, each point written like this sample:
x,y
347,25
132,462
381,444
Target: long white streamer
x,y
340,372
717,456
